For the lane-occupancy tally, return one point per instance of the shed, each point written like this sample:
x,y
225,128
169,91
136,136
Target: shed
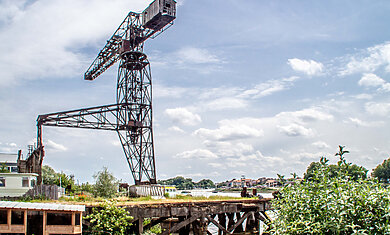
x,y
40,218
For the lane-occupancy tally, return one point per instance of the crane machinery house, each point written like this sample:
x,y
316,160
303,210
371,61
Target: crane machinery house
x,y
159,14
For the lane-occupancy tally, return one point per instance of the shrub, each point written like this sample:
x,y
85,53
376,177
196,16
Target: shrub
x,y
109,219
329,204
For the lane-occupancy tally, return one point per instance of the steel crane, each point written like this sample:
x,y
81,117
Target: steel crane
x,y
131,115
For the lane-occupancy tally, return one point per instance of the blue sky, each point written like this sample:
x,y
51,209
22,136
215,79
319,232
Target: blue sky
x,y
247,87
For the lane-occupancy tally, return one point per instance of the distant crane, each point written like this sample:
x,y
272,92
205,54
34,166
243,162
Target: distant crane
x,y
131,116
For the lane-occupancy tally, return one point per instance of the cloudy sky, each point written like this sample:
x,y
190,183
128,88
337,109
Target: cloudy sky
x,y
252,87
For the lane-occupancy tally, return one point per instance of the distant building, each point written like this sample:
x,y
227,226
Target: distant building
x,y
242,183
271,183
10,160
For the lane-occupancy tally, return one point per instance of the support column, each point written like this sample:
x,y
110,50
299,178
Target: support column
x,y
222,222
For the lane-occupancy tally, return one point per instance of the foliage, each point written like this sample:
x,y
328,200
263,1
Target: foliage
x,y
110,219
382,171
106,184
84,188
4,168
182,183
354,171
50,176
153,230
332,203
205,183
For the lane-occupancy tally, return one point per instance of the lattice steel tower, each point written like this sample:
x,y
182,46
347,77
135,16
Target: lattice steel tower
x,y
131,116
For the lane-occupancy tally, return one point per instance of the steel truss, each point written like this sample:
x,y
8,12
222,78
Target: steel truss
x,y
131,116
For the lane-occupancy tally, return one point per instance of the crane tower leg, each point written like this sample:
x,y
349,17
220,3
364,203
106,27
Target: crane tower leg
x,y
134,92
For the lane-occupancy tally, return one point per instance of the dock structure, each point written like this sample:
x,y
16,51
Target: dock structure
x,y
196,217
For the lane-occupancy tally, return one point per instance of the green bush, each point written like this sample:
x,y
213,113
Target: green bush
x,y
109,219
332,204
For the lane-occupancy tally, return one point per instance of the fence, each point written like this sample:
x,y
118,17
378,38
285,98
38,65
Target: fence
x,y
52,192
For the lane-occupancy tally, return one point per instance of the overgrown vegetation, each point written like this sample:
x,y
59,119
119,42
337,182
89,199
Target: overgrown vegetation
x,y
109,219
333,201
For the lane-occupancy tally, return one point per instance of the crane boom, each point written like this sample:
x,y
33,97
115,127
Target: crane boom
x,y
136,28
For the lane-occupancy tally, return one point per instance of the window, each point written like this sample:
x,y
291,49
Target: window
x,y
59,219
33,182
25,182
17,217
2,182
77,219
3,216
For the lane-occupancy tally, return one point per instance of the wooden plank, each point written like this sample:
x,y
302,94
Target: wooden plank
x,y
180,225
217,224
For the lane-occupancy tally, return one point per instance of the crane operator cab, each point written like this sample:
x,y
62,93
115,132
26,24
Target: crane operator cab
x,y
159,14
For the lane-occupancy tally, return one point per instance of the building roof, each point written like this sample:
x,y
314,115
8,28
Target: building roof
x,y
18,174
40,206
8,158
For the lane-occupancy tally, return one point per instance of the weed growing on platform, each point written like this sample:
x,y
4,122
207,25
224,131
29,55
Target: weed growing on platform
x,y
109,219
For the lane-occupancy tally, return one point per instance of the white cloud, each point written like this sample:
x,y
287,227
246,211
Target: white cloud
x,y
306,115
369,60
363,97
183,116
358,122
371,80
217,165
320,145
380,109
160,91
269,87
295,130
55,147
197,154
176,129
226,103
227,149
309,67
230,130
196,56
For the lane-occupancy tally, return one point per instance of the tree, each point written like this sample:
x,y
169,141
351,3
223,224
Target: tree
x,y
205,183
50,176
106,184
332,202
382,171
179,181
4,168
